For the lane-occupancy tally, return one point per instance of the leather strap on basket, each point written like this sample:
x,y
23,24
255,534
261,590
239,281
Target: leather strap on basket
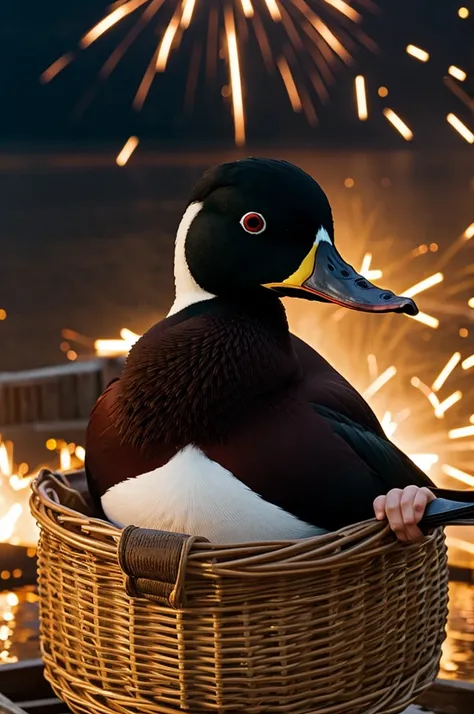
x,y
155,564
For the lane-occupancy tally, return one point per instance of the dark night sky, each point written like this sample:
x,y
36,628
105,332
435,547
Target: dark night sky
x,y
33,34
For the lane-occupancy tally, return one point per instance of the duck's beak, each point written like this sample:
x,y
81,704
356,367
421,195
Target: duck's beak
x,y
324,275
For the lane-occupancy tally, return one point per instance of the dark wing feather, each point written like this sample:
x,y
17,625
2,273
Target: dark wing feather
x,y
390,464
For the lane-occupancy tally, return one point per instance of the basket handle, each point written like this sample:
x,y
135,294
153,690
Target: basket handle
x,y
155,564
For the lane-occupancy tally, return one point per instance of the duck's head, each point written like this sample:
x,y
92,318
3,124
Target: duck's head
x,y
262,222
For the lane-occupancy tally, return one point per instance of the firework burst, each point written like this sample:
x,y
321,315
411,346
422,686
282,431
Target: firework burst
x,y
305,43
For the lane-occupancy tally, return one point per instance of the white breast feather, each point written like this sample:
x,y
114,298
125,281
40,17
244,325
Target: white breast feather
x,y
192,494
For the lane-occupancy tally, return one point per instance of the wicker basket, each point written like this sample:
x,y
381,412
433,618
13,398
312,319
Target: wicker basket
x,y
140,621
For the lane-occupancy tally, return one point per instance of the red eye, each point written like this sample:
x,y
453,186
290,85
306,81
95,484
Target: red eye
x,y
253,222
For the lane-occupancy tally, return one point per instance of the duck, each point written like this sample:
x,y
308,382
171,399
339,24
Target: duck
x,y
223,424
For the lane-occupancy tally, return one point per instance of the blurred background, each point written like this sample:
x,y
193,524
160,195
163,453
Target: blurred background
x,y
110,113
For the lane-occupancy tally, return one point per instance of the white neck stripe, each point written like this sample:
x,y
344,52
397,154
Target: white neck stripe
x,y
188,292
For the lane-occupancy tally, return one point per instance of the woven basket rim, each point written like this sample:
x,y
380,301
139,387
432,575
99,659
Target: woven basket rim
x,y
361,540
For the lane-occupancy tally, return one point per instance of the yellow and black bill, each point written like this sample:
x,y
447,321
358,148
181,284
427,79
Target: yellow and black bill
x,y
325,276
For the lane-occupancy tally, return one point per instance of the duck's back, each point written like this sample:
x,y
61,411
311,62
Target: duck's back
x,y
325,386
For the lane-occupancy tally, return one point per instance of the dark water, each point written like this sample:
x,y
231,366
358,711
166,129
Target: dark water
x,y
88,246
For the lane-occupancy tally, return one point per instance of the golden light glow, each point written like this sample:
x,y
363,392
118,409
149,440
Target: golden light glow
x,y
290,84
329,37
274,10
418,53
345,9
446,371
380,382
427,391
235,78
461,128
361,96
128,149
5,467
458,474
109,21
457,73
80,453
461,432
111,348
469,232
8,522
398,123
247,8
12,599
187,16
57,66
382,92
65,459
463,13
425,462
365,270
468,362
374,369
424,285
425,319
470,302
447,403
166,44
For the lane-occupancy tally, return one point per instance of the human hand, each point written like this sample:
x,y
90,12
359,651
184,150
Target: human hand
x,y
404,509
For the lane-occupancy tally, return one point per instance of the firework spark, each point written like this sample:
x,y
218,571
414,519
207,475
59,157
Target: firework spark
x,y
461,128
398,123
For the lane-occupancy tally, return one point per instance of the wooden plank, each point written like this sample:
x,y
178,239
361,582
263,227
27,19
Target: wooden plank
x,y
447,696
24,680
44,706
7,707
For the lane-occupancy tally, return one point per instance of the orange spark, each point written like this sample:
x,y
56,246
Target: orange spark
x,y
166,43
446,371
461,128
235,78
417,52
127,151
345,9
398,123
247,8
109,21
290,84
361,96
56,68
187,15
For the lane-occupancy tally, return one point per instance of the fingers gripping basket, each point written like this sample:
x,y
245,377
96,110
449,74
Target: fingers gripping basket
x,y
140,621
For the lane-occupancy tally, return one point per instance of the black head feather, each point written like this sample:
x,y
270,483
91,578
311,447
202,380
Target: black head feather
x,y
226,260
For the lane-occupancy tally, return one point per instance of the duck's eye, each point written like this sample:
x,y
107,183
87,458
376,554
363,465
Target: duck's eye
x,y
253,222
